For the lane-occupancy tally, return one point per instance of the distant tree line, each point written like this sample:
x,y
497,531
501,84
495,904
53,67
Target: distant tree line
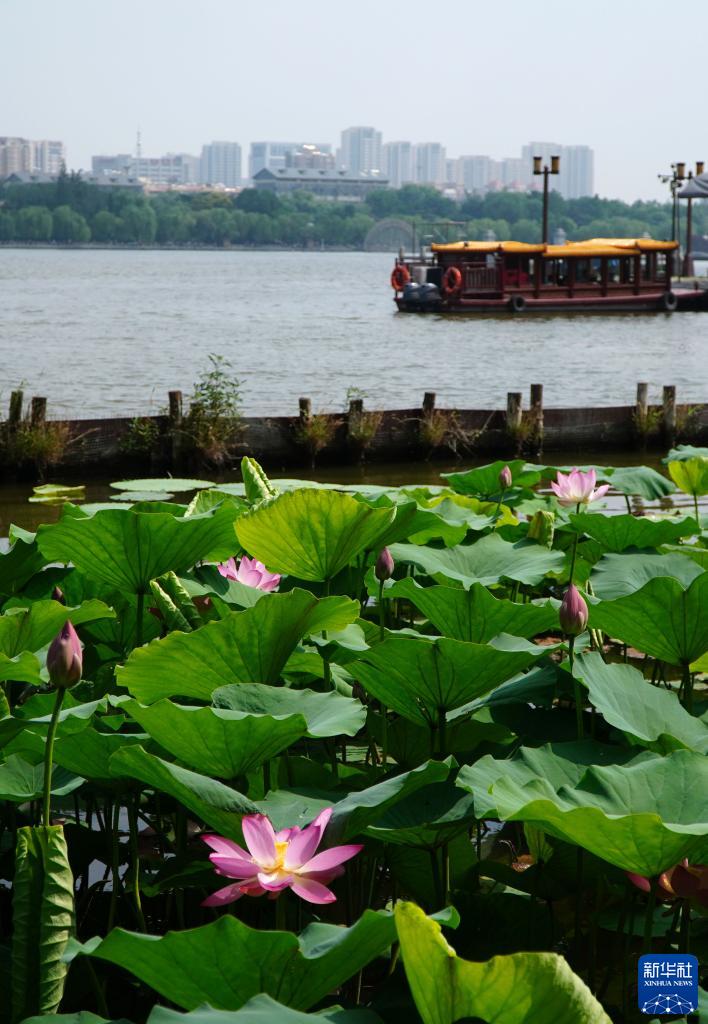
x,y
71,211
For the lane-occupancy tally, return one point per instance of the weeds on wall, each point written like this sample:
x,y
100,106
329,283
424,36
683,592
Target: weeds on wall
x,y
213,427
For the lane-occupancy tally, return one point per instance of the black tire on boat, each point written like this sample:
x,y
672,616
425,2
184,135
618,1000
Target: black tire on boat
x,y
517,304
669,302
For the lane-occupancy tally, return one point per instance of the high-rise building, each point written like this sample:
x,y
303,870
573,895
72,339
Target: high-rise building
x,y
309,157
110,166
220,164
273,155
430,168
514,173
360,150
474,173
45,156
397,160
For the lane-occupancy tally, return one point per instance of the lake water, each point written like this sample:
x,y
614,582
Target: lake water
x,y
107,333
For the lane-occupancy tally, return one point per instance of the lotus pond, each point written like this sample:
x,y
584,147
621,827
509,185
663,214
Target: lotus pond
x,y
294,752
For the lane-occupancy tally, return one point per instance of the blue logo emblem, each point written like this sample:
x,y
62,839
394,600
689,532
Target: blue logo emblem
x,y
668,984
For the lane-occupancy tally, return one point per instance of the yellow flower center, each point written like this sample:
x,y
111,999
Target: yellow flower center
x,y
280,850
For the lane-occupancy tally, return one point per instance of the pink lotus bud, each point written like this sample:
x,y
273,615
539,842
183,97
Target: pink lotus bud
x,y
573,612
505,478
58,595
383,570
65,658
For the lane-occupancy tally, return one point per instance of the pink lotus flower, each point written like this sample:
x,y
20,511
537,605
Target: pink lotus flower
x,y
505,478
578,488
573,612
250,572
683,881
277,861
65,658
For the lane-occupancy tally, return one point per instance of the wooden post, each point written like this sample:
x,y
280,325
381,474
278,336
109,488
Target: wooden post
x,y
15,412
536,415
356,411
642,402
514,413
175,416
428,403
305,409
38,411
669,413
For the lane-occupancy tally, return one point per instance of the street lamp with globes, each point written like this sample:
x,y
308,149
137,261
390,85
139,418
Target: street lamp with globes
x,y
540,168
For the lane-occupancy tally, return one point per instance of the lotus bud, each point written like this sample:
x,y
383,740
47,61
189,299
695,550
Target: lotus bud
x,y
505,478
542,527
58,595
65,658
573,612
383,570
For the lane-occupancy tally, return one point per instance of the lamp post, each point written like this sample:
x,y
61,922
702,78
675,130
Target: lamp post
x,y
688,256
673,180
540,168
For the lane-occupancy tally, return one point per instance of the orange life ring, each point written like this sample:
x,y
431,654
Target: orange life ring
x,y
400,277
452,281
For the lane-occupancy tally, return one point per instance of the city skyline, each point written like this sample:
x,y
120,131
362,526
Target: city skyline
x,y
480,85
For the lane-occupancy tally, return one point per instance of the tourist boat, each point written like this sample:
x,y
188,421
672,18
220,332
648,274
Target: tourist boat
x,y
597,275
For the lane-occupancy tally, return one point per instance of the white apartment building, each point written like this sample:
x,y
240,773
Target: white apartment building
x,y
44,156
273,155
220,164
360,150
430,166
397,160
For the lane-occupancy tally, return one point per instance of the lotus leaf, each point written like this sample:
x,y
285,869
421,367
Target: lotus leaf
x,y
325,714
312,534
485,479
487,561
162,484
513,989
617,575
691,475
616,533
258,1010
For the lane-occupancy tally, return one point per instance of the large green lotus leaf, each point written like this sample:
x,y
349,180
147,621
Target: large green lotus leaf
x,y
616,575
475,615
20,563
641,480
691,475
665,619
642,817
21,782
487,561
206,580
162,484
43,921
428,818
23,668
260,1009
225,963
516,989
89,751
36,713
538,686
485,479
216,741
648,714
413,521
616,533
218,805
31,628
685,451
325,714
561,764
419,677
127,549
246,647
312,534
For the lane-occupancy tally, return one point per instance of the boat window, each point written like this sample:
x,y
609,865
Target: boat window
x,y
660,274
613,271
582,271
562,276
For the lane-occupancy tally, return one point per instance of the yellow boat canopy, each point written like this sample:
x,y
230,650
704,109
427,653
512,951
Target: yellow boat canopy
x,y
588,248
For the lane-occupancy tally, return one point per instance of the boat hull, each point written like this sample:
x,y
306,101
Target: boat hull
x,y
693,300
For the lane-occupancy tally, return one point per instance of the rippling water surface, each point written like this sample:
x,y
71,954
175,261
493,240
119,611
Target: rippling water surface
x,y
103,332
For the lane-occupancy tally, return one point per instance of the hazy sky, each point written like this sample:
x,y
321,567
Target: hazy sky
x,y
624,77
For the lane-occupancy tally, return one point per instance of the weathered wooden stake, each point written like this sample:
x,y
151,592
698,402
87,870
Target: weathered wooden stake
x,y
356,410
669,413
641,412
38,411
514,413
536,416
175,416
428,403
15,411
305,409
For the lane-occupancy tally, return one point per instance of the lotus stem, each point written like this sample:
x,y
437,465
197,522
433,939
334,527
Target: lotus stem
x,y
687,687
382,636
695,505
685,933
579,865
135,862
115,865
576,690
48,755
281,924
649,917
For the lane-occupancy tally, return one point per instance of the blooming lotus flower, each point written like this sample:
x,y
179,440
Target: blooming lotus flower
x,y
683,881
277,861
578,488
250,572
65,658
573,612
505,478
383,570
